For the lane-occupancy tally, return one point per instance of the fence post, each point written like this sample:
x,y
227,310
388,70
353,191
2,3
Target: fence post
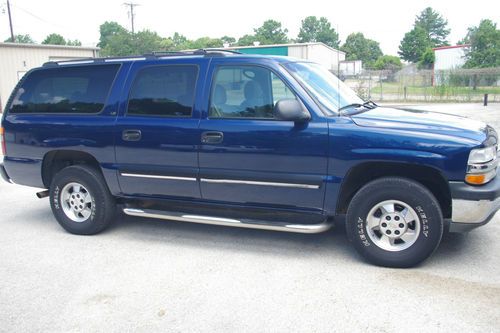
x,y
485,100
381,93
404,89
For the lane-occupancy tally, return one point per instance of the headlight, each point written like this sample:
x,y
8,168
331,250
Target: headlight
x,y
483,155
482,165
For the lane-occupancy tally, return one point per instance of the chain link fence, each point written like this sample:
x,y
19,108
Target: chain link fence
x,y
413,85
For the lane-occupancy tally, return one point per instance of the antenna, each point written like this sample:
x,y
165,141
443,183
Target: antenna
x,y
131,13
338,72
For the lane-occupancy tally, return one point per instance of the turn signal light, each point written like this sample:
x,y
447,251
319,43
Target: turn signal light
x,y
475,179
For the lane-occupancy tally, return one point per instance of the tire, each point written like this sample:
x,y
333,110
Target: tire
x,y
402,238
81,201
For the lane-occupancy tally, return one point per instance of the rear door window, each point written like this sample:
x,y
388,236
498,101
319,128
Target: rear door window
x,y
65,90
163,91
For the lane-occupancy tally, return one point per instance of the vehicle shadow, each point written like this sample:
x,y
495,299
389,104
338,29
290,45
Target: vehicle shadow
x,y
332,243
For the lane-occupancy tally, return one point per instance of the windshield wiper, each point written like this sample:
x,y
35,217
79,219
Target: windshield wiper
x,y
371,103
348,106
368,105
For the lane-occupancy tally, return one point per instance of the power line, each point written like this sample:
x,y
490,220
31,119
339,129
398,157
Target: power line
x,y
40,19
131,13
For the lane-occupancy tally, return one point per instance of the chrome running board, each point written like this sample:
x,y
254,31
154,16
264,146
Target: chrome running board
x,y
243,223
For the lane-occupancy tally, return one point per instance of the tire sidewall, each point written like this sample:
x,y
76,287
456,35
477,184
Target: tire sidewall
x,y
417,197
78,175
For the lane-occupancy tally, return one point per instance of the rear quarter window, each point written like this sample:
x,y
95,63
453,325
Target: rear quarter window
x,y
82,89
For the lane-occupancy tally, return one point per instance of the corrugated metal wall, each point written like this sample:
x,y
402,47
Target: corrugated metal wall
x,y
449,58
15,60
318,53
279,51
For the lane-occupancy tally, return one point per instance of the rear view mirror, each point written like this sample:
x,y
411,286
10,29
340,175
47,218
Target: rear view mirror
x,y
291,109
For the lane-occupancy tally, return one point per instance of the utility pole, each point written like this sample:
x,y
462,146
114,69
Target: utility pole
x,y
13,39
132,15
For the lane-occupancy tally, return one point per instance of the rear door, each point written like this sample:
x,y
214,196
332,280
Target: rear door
x,y
157,134
249,157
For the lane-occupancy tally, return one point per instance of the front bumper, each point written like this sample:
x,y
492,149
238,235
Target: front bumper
x,y
473,206
3,173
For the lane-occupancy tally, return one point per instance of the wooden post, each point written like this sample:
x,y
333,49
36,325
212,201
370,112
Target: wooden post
x,y
485,100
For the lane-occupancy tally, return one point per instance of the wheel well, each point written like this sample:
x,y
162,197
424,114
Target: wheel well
x,y
55,161
361,174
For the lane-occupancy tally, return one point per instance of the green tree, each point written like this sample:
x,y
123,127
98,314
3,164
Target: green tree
x,y
246,40
23,39
74,42
314,30
434,25
429,31
180,42
388,62
427,59
109,30
484,43
357,47
271,32
54,39
146,41
227,39
414,44
206,42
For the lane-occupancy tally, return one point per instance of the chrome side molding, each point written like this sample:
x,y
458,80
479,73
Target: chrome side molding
x,y
138,175
252,182
223,221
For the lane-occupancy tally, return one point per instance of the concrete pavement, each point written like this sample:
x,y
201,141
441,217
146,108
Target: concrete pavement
x,y
148,275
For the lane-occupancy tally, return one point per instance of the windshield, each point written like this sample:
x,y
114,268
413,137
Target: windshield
x,y
328,90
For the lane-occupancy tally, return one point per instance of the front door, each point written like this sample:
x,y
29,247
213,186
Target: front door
x,y
247,156
157,134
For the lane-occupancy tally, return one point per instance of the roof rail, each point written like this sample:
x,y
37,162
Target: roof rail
x,y
221,50
205,52
152,55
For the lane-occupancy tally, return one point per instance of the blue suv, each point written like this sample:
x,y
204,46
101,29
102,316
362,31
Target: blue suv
x,y
216,137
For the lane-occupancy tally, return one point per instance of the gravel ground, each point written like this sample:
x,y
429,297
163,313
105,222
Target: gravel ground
x,y
148,275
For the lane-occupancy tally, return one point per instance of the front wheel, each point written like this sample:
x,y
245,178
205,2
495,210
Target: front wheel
x,y
394,222
81,201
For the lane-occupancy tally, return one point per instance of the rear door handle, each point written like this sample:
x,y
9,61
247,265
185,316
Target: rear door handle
x,y
212,137
131,135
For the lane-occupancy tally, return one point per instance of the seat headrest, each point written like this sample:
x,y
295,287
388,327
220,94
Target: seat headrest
x,y
251,90
220,95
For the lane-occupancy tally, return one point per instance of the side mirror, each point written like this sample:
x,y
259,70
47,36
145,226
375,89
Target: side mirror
x,y
291,109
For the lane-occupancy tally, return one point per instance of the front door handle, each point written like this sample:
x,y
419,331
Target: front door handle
x,y
212,137
131,135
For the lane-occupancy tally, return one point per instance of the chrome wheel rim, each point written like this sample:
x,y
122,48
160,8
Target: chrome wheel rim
x,y
76,202
393,225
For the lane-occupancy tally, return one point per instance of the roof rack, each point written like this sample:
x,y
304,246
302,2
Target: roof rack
x,y
153,55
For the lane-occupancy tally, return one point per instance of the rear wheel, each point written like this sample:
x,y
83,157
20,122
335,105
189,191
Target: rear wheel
x,y
80,200
394,222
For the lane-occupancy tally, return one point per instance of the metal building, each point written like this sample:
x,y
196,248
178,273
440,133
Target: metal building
x,y
317,52
447,58
16,59
350,67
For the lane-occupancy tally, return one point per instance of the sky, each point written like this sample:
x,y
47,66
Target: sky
x,y
385,21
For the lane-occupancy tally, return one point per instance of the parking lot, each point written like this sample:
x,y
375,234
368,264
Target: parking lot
x,y
150,275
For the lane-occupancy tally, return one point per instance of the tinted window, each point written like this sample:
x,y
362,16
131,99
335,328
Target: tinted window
x,y
246,92
163,91
65,90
